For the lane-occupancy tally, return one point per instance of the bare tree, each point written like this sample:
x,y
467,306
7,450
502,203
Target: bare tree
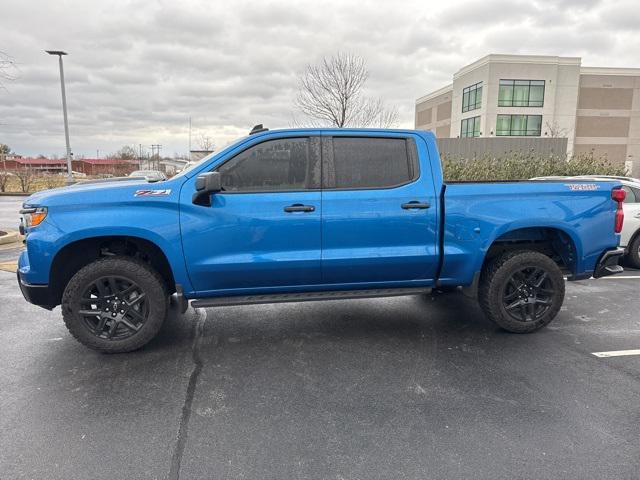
x,y
26,177
4,173
205,142
330,93
8,68
125,153
4,180
554,130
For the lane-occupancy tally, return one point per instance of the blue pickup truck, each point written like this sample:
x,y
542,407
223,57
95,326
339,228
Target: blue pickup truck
x,y
311,214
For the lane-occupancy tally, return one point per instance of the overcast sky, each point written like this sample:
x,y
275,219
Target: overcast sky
x,y
138,69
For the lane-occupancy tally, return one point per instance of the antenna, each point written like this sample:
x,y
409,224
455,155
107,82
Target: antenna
x,y
257,129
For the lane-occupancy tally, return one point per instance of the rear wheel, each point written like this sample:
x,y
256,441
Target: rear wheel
x,y
116,304
521,291
633,255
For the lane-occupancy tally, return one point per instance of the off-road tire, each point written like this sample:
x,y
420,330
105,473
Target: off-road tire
x,y
633,255
133,269
494,281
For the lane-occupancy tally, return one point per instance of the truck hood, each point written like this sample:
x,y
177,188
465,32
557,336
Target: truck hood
x,y
96,192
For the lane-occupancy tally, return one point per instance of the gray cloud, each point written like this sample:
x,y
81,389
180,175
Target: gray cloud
x,y
137,70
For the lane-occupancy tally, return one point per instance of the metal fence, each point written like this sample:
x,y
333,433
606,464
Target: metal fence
x,y
500,146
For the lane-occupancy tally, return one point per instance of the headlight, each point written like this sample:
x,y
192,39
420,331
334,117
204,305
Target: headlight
x,y
33,216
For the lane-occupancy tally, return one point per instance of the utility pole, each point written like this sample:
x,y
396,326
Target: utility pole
x,y
156,161
189,138
60,53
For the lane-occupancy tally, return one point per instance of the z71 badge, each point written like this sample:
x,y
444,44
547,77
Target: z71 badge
x,y
582,186
153,193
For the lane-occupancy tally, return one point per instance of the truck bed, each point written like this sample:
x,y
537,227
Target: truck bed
x,y
476,214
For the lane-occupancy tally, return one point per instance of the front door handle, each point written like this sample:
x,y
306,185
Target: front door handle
x,y
415,204
298,207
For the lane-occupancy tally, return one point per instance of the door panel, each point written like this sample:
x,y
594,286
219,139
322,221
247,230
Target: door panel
x,y
372,235
249,241
262,232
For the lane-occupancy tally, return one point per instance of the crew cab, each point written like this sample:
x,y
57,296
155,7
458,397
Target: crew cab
x,y
311,214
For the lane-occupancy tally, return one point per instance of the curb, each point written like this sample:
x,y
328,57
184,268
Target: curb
x,y
11,267
11,237
15,194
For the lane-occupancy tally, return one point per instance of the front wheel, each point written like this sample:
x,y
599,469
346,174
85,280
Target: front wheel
x,y
115,304
521,291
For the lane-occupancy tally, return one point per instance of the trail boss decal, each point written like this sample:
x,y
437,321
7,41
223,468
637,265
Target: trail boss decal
x,y
153,193
582,186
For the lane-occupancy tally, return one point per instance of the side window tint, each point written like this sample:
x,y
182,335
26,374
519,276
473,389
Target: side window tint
x,y
371,162
275,165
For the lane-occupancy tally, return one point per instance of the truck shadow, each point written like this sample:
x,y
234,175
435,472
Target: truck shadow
x,y
352,319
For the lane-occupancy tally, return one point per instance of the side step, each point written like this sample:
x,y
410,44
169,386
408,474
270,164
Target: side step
x,y
306,296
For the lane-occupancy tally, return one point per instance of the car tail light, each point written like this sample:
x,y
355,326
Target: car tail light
x,y
618,194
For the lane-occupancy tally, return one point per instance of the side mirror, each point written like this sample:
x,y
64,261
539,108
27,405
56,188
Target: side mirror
x,y
206,184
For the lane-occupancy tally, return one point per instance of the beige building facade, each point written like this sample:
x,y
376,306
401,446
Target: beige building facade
x,y
596,109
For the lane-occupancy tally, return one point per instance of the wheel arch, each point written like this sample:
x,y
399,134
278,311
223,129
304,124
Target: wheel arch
x,y
76,254
632,239
557,243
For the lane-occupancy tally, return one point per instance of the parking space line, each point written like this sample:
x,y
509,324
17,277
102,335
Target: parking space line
x,y
616,353
620,277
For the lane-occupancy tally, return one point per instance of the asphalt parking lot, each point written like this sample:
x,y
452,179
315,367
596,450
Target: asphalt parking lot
x,y
408,387
9,206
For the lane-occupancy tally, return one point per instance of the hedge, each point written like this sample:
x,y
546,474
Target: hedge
x,y
522,166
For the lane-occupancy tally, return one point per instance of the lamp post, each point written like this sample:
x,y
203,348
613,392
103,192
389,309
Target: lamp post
x,y
60,53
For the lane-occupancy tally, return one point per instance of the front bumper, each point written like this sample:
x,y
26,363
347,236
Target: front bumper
x,y
608,263
37,294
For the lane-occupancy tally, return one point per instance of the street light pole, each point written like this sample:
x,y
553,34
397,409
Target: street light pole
x,y
60,53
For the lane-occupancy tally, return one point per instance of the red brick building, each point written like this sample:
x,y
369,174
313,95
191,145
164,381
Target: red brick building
x,y
101,166
88,166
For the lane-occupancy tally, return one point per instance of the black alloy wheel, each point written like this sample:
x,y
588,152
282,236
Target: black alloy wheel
x,y
528,294
114,307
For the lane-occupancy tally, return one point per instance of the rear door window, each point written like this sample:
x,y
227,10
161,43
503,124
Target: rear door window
x,y
370,163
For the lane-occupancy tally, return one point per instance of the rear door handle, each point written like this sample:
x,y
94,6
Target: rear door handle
x,y
415,204
298,207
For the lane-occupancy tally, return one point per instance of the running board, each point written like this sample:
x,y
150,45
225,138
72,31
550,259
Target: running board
x,y
306,296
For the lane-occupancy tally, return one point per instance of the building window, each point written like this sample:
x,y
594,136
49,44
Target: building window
x,y
470,127
521,93
519,125
472,97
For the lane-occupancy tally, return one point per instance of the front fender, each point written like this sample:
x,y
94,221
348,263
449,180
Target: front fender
x,y
158,224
